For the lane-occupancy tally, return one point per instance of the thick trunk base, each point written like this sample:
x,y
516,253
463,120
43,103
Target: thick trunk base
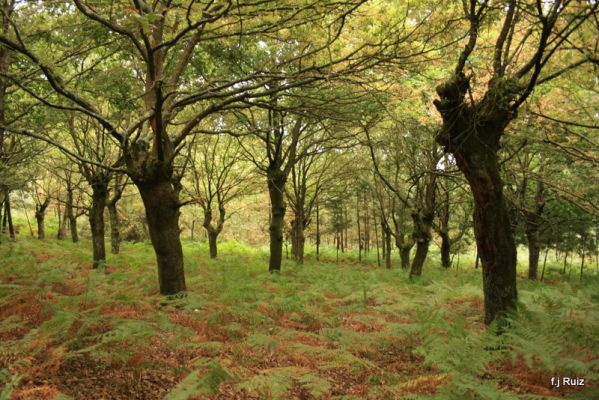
x,y
276,190
419,258
404,254
445,251
494,239
96,221
41,227
162,213
212,237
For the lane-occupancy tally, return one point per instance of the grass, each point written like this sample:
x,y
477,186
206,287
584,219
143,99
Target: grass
x,y
318,331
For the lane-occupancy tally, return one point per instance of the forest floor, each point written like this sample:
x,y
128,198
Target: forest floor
x,y
317,331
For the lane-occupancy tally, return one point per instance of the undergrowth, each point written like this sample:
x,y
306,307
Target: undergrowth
x,y
318,331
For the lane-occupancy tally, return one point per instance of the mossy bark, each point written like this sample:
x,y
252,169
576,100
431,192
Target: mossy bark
x,y
471,132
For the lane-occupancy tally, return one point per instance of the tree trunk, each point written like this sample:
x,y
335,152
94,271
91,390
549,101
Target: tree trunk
x,y
422,237
443,229
366,227
276,191
8,216
445,250
384,247
213,230
359,230
162,214
341,233
96,222
346,228
419,258
386,243
544,264
317,232
404,246
212,237
299,240
533,253
62,224
40,215
376,238
115,228
4,219
494,239
404,254
582,263
337,245
472,133
71,216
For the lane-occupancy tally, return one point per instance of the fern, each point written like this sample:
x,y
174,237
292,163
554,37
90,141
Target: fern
x,y
314,385
275,383
8,382
204,380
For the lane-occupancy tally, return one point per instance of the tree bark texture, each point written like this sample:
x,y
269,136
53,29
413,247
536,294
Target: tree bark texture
x,y
8,216
471,132
422,238
276,191
72,218
40,215
115,228
96,222
162,214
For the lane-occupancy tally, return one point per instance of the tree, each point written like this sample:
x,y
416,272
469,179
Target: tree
x,y
408,170
453,216
90,143
217,178
475,118
115,194
42,196
280,132
309,177
181,64
72,201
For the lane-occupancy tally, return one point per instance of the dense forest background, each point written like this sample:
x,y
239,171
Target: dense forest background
x,y
298,199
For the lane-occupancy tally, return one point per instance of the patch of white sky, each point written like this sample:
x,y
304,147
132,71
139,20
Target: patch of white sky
x,y
447,161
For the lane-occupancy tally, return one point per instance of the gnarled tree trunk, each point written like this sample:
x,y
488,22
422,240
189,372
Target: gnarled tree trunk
x,y
494,239
213,231
40,215
471,132
403,244
404,254
422,238
162,213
